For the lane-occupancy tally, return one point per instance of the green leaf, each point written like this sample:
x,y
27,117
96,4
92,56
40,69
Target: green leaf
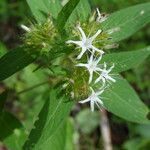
x,y
122,100
70,129
62,139
138,143
64,14
142,130
11,131
52,115
3,97
3,49
58,139
42,8
13,61
80,13
130,20
127,60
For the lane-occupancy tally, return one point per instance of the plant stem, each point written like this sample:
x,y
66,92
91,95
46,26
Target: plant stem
x,y
105,130
33,87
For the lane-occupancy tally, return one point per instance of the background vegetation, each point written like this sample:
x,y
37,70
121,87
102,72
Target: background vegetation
x,y
26,90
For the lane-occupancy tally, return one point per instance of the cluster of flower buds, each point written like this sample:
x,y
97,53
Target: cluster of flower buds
x,y
93,66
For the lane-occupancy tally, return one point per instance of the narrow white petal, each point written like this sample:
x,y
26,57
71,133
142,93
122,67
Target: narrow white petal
x,y
105,65
111,79
100,102
98,60
82,52
91,59
98,79
99,92
82,33
98,105
109,70
74,42
82,65
103,80
95,35
85,101
98,50
91,76
98,13
98,69
92,90
92,105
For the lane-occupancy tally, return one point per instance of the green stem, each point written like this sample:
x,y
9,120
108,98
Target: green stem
x,y
33,87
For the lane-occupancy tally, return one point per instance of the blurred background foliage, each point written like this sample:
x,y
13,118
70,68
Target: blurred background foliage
x,y
26,89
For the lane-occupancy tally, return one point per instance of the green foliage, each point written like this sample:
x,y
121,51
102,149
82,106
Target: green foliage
x,y
52,115
65,13
74,10
2,49
13,127
127,60
52,130
122,100
64,136
129,20
14,61
3,97
13,135
138,144
41,9
80,13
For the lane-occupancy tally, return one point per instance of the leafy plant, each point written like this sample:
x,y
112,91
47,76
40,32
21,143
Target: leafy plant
x,y
51,43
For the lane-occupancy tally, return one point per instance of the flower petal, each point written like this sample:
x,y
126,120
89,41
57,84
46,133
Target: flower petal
x,y
111,79
85,101
110,69
74,42
91,76
92,105
95,35
82,65
98,50
82,52
82,33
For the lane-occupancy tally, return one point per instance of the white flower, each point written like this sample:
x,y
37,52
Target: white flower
x,y
86,43
92,66
104,76
100,18
25,28
94,99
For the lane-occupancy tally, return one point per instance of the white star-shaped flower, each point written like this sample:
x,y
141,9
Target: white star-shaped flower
x,y
94,99
86,43
92,66
100,18
105,76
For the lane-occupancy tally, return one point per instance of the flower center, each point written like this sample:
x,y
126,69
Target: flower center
x,y
88,43
104,74
93,96
92,66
